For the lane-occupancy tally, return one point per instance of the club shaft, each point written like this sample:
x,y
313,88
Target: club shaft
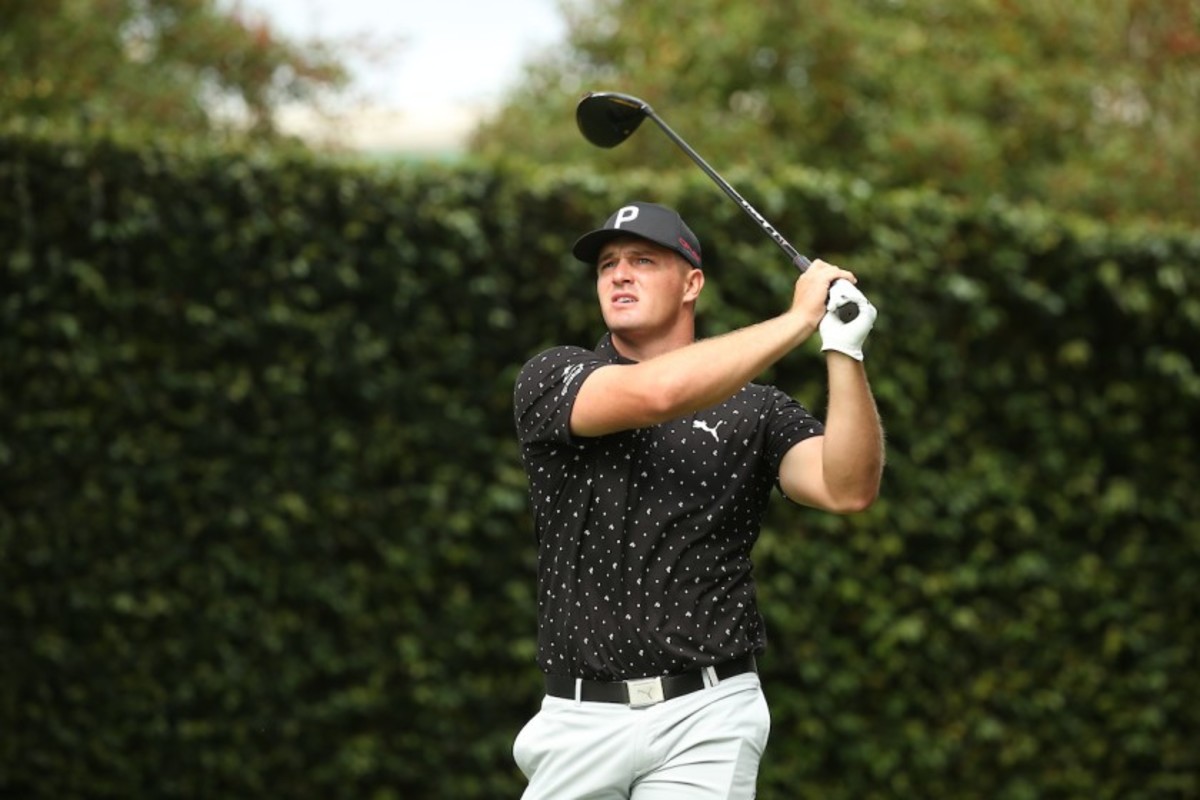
x,y
802,263
845,312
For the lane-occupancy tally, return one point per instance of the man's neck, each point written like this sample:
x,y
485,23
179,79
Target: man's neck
x,y
637,348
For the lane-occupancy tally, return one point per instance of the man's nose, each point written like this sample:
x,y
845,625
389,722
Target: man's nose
x,y
621,271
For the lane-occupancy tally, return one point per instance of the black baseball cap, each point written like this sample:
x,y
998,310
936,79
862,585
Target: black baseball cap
x,y
659,224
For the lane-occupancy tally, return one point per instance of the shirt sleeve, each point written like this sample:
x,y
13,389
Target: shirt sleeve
x,y
789,423
545,393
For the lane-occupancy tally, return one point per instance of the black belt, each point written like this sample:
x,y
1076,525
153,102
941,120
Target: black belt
x,y
646,691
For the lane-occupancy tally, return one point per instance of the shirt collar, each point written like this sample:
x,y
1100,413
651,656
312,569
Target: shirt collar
x,y
608,351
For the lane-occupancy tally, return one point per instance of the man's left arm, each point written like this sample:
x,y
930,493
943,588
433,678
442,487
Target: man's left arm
x,y
841,471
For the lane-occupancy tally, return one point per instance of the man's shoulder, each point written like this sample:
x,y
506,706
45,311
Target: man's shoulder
x,y
761,393
561,351
553,369
558,356
768,403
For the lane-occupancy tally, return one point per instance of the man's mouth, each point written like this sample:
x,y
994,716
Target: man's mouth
x,y
623,299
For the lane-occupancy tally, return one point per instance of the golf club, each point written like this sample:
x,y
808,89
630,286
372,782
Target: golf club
x,y
608,118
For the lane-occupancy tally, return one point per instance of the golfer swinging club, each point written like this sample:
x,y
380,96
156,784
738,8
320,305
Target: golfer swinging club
x,y
650,463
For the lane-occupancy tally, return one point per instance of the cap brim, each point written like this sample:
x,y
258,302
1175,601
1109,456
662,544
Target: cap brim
x,y
587,248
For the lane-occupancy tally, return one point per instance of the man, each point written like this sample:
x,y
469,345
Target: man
x,y
650,463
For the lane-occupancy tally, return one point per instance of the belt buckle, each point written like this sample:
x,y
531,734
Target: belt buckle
x,y
645,692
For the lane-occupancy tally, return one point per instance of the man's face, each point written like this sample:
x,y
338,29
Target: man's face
x,y
644,288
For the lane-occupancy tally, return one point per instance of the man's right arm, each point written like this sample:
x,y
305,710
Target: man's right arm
x,y
703,374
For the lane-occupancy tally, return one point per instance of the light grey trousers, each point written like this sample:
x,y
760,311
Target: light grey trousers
x,y
703,746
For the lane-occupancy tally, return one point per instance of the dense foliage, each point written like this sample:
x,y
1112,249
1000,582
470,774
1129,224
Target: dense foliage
x,y
263,529
1091,105
156,66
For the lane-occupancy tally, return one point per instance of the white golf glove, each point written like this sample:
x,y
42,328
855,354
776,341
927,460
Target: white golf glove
x,y
846,337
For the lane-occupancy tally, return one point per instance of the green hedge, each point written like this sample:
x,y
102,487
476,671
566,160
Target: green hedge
x,y
263,524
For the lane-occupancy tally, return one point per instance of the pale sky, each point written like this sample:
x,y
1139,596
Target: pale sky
x,y
443,61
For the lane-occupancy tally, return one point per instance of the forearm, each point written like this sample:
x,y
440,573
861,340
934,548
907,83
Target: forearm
x,y
681,380
684,380
853,453
710,371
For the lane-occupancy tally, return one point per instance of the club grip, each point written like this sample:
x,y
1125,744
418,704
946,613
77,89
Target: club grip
x,y
847,312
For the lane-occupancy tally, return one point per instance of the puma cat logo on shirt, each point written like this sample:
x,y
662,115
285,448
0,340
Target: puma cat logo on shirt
x,y
704,426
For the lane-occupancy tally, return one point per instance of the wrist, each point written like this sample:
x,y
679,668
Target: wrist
x,y
801,325
836,351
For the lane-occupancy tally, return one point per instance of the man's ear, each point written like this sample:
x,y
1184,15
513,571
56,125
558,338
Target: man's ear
x,y
692,285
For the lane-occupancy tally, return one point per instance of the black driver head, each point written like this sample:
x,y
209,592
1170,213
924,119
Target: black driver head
x,y
607,118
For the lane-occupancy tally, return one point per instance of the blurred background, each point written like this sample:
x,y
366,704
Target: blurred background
x,y
1087,107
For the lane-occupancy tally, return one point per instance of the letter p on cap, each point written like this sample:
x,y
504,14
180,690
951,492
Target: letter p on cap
x,y
626,214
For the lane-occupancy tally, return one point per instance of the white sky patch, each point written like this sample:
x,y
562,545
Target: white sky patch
x,y
432,70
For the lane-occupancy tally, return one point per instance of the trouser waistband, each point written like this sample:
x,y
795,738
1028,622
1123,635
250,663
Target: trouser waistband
x,y
645,691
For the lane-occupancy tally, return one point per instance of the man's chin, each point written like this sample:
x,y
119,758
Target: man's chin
x,y
623,322
631,331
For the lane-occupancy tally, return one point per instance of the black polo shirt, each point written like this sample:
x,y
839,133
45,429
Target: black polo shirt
x,y
644,536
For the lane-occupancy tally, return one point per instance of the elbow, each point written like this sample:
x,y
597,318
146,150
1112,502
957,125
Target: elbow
x,y
857,490
854,502
855,505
